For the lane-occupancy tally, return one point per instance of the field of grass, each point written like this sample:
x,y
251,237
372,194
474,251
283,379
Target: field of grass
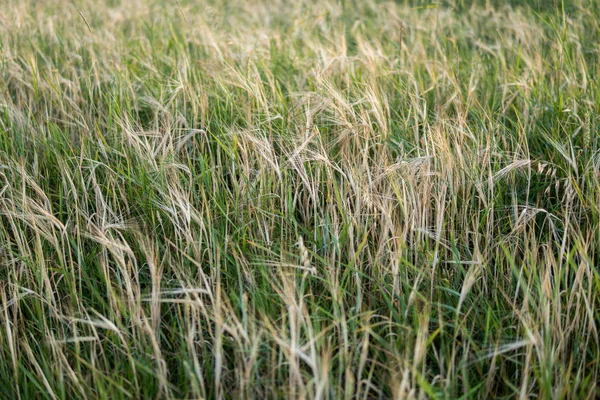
x,y
299,199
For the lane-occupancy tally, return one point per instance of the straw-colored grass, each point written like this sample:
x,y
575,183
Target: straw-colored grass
x,y
299,199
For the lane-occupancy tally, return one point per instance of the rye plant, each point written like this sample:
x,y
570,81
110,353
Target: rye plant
x,y
326,199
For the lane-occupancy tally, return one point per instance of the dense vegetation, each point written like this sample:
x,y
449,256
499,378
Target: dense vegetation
x,y
272,199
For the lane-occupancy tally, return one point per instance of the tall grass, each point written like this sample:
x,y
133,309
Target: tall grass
x,y
298,199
